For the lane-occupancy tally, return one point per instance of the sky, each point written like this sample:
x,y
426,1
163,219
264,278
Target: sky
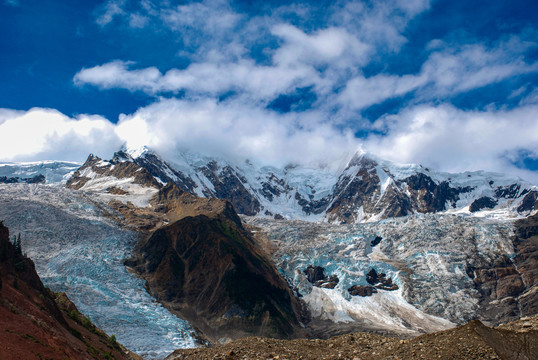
x,y
451,85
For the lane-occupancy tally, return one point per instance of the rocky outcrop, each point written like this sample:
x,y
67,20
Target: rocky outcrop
x,y
380,281
316,276
529,202
38,179
206,268
358,290
37,323
484,202
118,168
229,185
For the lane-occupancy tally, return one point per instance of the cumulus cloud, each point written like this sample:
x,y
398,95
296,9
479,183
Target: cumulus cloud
x,y
361,92
236,130
40,134
331,45
206,78
446,138
294,65
116,74
440,137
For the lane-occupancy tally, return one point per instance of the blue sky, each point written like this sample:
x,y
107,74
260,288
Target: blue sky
x,y
448,84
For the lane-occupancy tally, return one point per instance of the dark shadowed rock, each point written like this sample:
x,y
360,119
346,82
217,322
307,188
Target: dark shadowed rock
x,y
316,276
314,273
529,202
509,285
484,202
376,241
358,290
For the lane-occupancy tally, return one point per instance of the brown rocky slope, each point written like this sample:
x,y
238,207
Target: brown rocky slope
x,y
205,267
517,340
36,323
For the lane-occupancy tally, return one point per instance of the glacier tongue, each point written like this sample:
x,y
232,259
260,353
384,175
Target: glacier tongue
x,y
80,253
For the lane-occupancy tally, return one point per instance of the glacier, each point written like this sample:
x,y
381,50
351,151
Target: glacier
x,y
78,251
54,171
427,255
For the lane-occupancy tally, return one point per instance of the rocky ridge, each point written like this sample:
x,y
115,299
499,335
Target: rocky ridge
x,y
205,267
366,189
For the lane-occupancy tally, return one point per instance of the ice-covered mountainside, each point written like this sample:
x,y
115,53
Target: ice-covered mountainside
x,y
403,274
37,172
78,251
366,189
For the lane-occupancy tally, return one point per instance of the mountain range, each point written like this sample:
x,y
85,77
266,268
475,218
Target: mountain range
x,y
237,249
365,189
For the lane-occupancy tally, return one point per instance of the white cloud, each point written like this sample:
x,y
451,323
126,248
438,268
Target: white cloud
x,y
378,23
331,45
109,10
236,130
210,16
448,71
39,134
440,137
258,81
456,70
137,21
116,74
361,92
449,139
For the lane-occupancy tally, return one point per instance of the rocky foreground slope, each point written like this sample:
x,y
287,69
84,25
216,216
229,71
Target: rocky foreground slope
x,y
36,323
473,341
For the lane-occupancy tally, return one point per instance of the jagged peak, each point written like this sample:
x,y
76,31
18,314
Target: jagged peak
x,y
121,156
92,158
136,151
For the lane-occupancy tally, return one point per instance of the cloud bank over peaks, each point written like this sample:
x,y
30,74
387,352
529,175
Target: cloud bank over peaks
x,y
437,136
449,139
236,131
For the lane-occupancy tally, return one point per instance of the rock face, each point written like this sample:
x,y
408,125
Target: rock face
x,y
96,171
206,268
358,290
366,189
380,281
482,203
38,179
36,323
316,276
512,281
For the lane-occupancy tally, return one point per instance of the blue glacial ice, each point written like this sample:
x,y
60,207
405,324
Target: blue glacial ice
x,y
82,255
